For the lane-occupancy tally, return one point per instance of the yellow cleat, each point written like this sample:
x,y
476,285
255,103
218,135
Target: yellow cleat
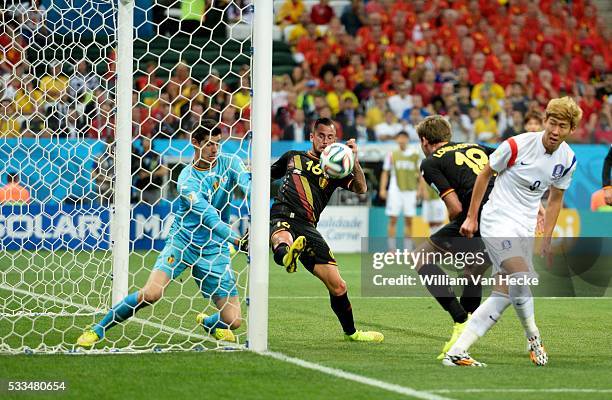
x,y
219,333
295,250
364,336
88,339
457,330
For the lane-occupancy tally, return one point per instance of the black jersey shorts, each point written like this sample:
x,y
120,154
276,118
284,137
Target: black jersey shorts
x,y
449,239
317,250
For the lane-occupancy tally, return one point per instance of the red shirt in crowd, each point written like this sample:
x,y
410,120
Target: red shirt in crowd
x,y
589,107
427,92
321,14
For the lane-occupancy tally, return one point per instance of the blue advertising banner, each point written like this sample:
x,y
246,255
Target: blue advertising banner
x,y
53,227
59,227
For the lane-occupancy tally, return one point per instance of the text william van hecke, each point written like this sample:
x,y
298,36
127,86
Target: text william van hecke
x,y
441,280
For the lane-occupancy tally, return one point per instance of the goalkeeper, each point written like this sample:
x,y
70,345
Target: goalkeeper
x,y
199,238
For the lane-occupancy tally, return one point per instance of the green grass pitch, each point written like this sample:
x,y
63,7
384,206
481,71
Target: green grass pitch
x,y
301,324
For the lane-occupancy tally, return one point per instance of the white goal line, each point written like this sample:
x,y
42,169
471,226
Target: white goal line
x,y
338,373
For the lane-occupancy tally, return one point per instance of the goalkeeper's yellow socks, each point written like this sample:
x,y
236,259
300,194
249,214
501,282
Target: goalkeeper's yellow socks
x,y
119,313
344,311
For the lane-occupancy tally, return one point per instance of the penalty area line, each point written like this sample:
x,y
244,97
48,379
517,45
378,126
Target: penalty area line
x,y
338,373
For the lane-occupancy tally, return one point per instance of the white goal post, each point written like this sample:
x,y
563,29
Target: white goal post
x,y
260,199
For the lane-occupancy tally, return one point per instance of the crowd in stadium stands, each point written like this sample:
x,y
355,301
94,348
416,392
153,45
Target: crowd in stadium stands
x,y
382,65
377,68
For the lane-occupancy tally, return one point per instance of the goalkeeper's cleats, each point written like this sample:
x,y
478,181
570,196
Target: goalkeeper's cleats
x,y
224,334
295,250
457,330
88,339
461,360
537,353
364,336
218,333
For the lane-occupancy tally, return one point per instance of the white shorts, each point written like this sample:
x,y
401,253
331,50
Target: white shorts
x,y
434,211
401,202
505,239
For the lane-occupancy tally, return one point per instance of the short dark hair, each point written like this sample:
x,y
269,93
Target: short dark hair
x,y
207,128
402,133
323,121
435,129
533,115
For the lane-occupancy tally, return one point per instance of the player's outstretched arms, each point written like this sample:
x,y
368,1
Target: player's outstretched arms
x,y
470,225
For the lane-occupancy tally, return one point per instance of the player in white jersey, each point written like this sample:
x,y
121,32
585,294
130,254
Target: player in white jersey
x,y
401,171
527,165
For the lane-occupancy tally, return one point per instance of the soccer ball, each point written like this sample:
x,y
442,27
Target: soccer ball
x,y
337,160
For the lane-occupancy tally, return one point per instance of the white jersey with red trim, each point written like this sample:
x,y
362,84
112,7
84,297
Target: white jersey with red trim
x,y
526,171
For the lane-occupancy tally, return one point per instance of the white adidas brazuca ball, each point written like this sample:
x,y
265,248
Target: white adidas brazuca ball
x,y
337,160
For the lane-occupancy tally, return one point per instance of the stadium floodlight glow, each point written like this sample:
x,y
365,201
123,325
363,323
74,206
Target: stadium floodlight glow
x,y
105,75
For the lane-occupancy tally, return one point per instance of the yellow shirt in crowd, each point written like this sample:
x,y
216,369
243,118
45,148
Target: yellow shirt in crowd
x,y
53,87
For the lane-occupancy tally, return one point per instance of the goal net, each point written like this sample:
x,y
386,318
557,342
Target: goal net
x,y
66,140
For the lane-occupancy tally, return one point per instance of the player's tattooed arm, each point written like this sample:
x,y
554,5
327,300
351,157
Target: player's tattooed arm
x,y
358,184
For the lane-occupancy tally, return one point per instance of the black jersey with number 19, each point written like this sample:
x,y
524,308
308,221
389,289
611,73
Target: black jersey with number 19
x,y
305,190
454,168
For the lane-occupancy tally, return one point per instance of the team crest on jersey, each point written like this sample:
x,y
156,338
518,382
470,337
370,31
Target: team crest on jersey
x,y
323,183
506,244
557,171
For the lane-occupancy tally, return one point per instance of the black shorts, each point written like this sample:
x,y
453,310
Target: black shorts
x,y
317,250
449,239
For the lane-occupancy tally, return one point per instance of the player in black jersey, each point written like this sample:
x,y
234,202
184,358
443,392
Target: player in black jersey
x,y
451,169
303,195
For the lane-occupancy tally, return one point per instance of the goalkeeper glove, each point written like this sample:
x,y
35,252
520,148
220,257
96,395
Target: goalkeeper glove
x,y
243,243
